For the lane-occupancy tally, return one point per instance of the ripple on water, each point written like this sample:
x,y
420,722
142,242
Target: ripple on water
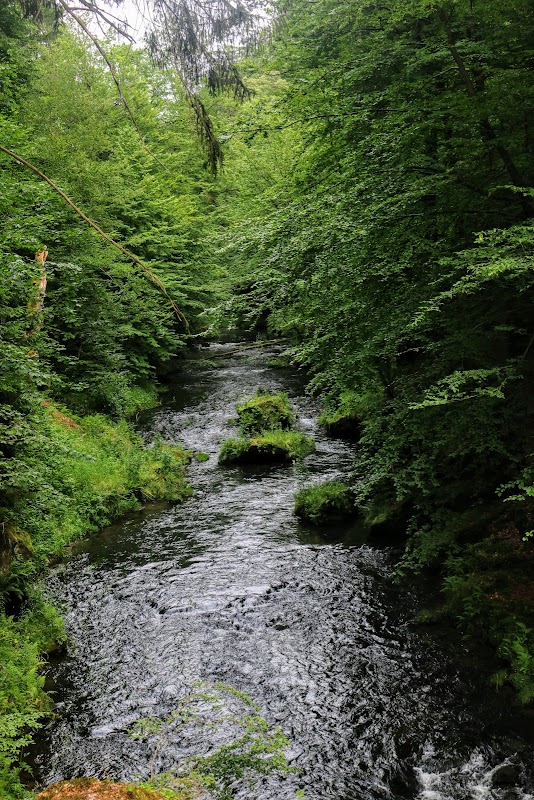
x,y
231,587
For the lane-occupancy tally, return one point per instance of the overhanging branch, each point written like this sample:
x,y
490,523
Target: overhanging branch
x,y
151,275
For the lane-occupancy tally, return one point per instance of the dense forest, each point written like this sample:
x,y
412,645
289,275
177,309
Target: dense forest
x,y
356,179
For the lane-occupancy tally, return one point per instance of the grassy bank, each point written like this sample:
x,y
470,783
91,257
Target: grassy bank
x,y
73,476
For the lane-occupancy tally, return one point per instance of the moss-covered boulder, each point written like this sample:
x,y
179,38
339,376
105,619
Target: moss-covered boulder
x,y
342,419
273,447
343,426
265,412
328,502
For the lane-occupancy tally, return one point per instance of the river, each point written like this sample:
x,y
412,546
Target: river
x,y
310,623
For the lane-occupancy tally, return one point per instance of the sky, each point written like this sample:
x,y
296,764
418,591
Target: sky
x,y
135,12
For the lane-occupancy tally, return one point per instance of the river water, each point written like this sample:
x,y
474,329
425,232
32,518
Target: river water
x,y
309,623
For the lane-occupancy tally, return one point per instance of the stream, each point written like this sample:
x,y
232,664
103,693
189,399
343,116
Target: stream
x,y
310,623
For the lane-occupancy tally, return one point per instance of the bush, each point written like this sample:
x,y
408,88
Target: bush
x,y
273,447
329,502
22,697
265,412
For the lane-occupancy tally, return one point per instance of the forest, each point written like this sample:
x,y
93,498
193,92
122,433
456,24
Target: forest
x,y
354,180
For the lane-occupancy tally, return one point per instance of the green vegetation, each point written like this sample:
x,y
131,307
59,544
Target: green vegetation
x,y
277,447
81,473
253,750
343,416
265,412
85,332
328,502
383,224
22,697
377,211
279,362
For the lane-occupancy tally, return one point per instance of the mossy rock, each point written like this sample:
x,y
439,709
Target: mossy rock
x,y
388,522
431,616
327,503
273,447
265,412
343,420
342,426
93,789
279,362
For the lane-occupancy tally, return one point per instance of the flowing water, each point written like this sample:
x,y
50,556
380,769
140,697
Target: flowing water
x,y
231,587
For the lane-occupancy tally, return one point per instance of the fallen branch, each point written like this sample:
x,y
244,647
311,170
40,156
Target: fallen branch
x,y
248,347
154,278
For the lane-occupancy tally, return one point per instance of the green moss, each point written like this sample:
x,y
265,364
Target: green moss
x,y
202,457
329,502
279,362
275,447
342,417
430,616
265,412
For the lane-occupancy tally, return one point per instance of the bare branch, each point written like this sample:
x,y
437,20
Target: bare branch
x,y
115,77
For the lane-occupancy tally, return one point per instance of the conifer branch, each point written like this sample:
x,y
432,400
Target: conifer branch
x,y
116,80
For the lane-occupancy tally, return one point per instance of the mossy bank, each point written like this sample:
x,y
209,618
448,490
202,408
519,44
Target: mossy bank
x,y
73,476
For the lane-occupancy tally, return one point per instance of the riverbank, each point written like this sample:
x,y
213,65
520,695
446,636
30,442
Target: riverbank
x,y
310,623
75,475
474,551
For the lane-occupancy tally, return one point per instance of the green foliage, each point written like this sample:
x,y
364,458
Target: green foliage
x,y
517,648
394,249
488,587
265,412
22,697
250,747
327,502
79,473
271,447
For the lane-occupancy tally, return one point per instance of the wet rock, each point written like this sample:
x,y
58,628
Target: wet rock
x,y
343,427
274,447
326,503
93,789
505,775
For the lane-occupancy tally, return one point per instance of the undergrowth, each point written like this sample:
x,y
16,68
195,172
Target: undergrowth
x,y
73,476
